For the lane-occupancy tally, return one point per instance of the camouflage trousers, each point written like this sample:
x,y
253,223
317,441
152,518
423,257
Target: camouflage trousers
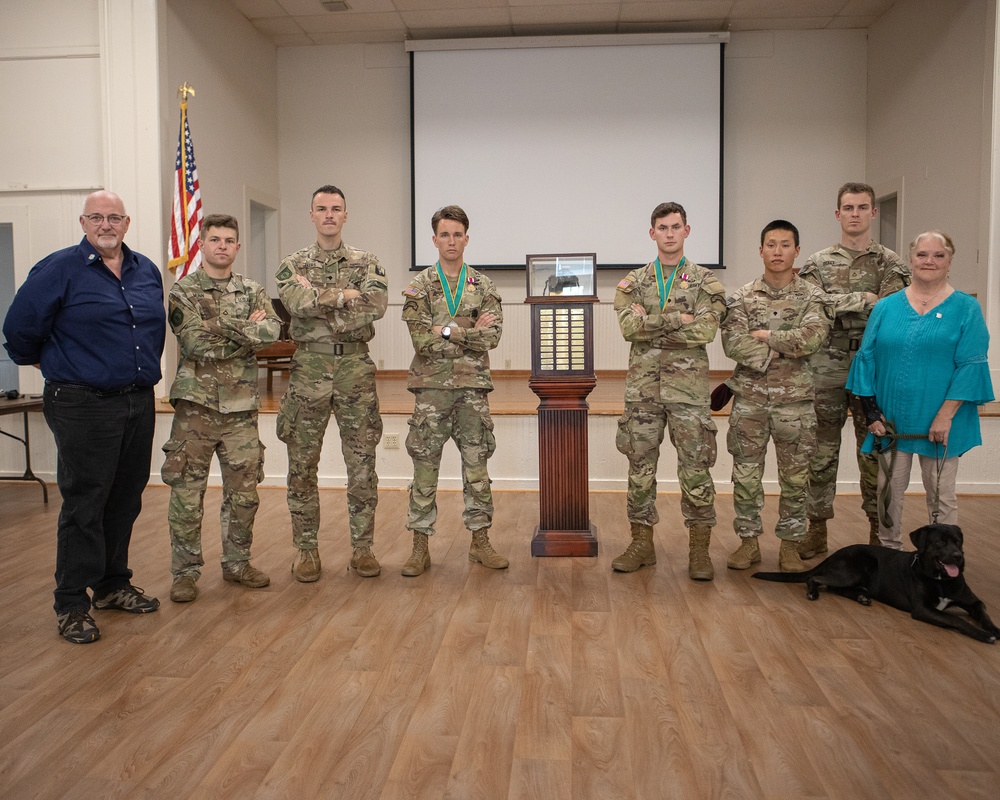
x,y
692,433
440,415
831,414
792,426
318,385
199,432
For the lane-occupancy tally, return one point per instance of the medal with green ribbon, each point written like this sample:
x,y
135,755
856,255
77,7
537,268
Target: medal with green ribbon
x,y
665,292
453,300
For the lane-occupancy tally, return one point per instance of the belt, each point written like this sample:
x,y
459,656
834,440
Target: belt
x,y
334,348
99,392
844,341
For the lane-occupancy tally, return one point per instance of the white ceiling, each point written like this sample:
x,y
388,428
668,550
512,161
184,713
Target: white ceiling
x,y
306,22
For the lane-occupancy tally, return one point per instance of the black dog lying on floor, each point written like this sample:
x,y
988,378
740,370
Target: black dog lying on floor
x,y
923,583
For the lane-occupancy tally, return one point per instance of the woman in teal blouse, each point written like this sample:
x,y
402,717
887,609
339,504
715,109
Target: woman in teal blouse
x,y
922,366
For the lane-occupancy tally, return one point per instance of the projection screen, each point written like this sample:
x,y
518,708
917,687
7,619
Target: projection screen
x,y
567,149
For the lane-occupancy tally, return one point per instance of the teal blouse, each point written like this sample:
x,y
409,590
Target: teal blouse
x,y
913,363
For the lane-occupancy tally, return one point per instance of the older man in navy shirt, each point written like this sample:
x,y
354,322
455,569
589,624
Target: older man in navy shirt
x,y
91,317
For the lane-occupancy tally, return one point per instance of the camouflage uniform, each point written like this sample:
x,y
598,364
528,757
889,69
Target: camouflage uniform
x,y
216,401
331,370
773,388
450,379
845,277
668,386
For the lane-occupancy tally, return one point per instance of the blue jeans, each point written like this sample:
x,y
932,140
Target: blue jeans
x,y
104,443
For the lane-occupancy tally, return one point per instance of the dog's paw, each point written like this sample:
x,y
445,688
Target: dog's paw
x,y
864,599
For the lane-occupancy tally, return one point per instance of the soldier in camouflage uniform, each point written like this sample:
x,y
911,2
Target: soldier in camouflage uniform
x,y
771,325
334,293
220,320
855,273
455,319
669,310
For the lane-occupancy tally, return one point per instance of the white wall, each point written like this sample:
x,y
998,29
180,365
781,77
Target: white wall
x,y
344,114
930,115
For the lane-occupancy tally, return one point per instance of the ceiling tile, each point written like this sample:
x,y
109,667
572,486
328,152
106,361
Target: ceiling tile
x,y
682,9
251,9
350,21
289,40
473,18
449,5
769,9
485,31
548,15
675,26
566,29
302,8
277,26
371,6
864,8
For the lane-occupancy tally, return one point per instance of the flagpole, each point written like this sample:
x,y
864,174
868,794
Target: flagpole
x,y
182,256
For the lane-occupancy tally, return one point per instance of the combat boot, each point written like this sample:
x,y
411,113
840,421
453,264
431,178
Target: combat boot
x,y
873,532
746,555
788,557
699,562
183,589
420,558
363,562
815,541
482,551
639,553
307,566
246,574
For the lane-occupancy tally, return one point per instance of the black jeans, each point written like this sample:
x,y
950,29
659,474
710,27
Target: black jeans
x,y
104,443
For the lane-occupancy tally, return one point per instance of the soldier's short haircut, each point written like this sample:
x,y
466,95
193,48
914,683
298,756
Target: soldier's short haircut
x,y
219,221
855,188
328,188
665,210
779,225
450,212
949,245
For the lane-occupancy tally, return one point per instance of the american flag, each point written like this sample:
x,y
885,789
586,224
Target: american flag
x,y
185,223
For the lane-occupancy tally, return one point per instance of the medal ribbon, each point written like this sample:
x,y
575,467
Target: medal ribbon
x,y
665,294
453,301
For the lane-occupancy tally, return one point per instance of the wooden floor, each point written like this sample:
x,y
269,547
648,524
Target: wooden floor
x,y
554,679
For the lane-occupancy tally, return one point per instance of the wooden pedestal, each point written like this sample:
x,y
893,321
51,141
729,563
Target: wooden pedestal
x,y
564,523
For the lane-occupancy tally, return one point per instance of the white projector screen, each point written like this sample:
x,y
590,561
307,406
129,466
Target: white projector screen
x,y
568,149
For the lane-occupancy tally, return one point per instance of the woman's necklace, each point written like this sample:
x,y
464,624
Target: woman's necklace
x,y
925,303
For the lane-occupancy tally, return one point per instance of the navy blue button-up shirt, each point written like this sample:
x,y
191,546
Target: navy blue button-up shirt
x,y
84,325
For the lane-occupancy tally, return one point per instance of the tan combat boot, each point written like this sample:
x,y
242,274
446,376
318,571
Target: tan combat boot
x,y
873,532
363,562
183,589
746,555
482,551
788,557
639,553
699,562
246,574
307,566
420,558
815,541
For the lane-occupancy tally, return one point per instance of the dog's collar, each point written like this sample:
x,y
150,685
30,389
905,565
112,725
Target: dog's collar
x,y
916,560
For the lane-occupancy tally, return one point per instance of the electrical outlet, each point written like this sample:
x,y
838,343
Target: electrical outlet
x,y
391,441
506,363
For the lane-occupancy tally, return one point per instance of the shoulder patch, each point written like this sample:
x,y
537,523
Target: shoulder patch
x,y
411,291
378,270
626,284
176,316
284,274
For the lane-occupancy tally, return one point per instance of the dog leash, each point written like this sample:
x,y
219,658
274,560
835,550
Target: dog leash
x,y
885,495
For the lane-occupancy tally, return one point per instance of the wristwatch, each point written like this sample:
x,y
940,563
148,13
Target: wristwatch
x,y
446,332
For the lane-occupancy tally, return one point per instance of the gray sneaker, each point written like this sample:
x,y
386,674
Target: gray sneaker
x,y
130,598
78,627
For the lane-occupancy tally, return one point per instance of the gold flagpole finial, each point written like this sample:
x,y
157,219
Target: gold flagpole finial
x,y
186,90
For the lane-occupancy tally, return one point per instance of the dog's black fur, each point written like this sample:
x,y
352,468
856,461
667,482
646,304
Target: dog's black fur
x,y
923,583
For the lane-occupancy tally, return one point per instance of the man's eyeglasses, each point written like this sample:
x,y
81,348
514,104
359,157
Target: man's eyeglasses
x,y
98,219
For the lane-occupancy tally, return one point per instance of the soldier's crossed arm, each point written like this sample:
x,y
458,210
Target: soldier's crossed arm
x,y
369,305
806,339
261,329
710,305
737,342
197,338
483,337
